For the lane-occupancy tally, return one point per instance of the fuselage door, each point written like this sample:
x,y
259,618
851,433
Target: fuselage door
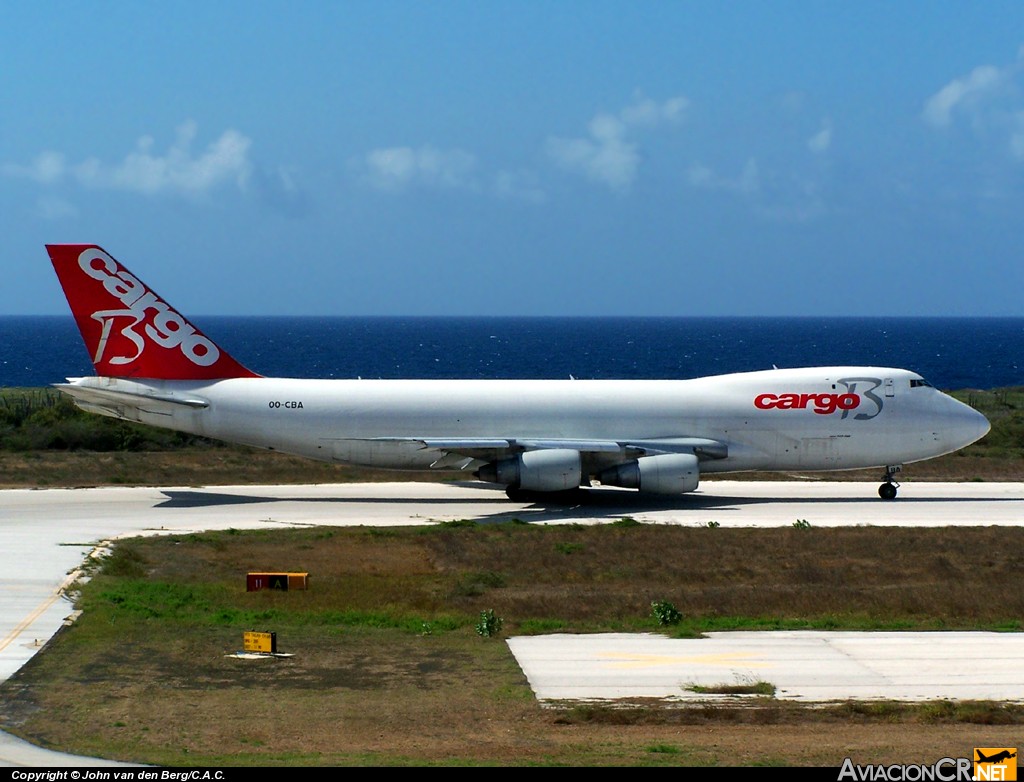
x,y
889,387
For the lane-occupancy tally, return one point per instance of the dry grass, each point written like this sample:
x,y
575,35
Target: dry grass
x,y
388,669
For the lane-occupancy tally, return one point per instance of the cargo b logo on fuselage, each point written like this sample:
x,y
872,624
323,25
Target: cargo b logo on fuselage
x,y
826,404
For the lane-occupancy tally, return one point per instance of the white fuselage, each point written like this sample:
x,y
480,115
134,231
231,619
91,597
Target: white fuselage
x,y
830,418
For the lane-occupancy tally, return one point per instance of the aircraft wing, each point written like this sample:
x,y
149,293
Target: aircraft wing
x,y
460,452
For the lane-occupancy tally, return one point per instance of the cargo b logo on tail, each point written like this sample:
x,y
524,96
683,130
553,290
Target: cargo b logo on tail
x,y
128,330
167,329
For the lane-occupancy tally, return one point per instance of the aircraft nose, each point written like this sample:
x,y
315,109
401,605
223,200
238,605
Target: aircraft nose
x,y
970,426
981,426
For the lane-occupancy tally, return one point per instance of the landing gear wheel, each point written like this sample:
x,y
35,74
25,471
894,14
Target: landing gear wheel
x,y
887,491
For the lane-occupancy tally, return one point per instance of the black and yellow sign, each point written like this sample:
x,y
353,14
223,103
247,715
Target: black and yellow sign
x,y
263,643
995,763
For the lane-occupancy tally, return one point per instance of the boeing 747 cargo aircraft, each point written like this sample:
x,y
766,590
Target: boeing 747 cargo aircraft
x,y
656,436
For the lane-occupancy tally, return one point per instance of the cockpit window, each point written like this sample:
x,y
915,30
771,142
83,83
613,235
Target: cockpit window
x,y
917,382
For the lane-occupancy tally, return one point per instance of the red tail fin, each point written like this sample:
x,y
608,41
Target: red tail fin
x,y
129,330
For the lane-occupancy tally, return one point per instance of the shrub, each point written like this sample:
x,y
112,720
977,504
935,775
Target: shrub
x,y
489,624
665,613
626,521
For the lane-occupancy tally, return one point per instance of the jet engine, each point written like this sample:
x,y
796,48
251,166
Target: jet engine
x,y
554,469
669,473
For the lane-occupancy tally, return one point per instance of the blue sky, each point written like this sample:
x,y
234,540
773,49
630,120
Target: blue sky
x,y
520,158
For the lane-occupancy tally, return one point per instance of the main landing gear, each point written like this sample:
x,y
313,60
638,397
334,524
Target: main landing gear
x,y
887,491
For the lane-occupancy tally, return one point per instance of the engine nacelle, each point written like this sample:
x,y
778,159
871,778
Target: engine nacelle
x,y
668,473
555,469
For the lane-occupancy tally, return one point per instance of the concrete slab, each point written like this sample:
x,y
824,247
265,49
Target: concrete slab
x,y
806,666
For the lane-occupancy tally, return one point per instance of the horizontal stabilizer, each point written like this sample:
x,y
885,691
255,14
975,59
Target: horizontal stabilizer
x,y
128,404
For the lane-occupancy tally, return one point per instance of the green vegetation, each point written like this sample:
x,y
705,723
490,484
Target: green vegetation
x,y
1004,408
394,660
35,419
489,624
665,613
616,578
759,688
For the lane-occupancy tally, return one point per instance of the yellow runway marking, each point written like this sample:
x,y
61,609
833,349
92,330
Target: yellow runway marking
x,y
40,609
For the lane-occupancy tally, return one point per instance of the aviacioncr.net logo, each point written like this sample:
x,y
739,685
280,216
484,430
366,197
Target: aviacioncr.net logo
x,y
943,770
995,763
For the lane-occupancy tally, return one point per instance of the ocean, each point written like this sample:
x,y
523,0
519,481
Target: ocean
x,y
952,353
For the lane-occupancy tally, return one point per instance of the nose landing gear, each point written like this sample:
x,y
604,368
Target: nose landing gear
x,y
887,491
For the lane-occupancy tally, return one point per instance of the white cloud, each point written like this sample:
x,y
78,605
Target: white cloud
x,y
787,198
822,140
647,112
747,182
47,168
398,168
177,171
606,154
963,93
988,101
606,158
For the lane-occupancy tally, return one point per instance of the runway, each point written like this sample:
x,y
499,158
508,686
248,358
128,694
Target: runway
x,y
45,536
